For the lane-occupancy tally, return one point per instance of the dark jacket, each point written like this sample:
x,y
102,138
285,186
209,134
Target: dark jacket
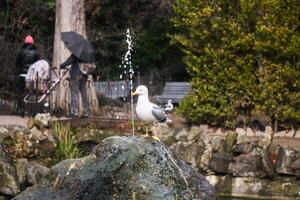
x,y
27,56
75,72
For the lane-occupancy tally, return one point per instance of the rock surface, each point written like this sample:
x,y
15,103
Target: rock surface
x,y
286,157
29,172
257,188
122,168
8,178
220,162
24,151
247,165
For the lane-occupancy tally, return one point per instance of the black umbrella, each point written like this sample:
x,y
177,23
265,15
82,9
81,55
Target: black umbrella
x,y
79,46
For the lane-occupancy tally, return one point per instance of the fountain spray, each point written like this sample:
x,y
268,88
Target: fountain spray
x,y
127,68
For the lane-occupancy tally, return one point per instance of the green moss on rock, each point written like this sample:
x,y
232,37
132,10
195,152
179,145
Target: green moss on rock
x,y
230,141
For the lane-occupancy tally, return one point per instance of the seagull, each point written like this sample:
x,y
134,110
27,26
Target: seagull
x,y
147,111
168,107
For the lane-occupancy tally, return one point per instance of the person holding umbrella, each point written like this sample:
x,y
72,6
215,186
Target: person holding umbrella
x,y
82,52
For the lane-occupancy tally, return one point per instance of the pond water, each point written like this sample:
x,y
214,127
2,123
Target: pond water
x,y
249,198
233,198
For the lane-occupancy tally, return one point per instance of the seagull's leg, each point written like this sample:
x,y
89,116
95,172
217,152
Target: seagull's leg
x,y
155,136
147,135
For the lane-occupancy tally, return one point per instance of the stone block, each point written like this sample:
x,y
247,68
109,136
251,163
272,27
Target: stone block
x,y
230,140
219,132
286,158
220,161
269,130
218,143
259,134
280,134
242,136
297,134
203,128
247,165
290,134
265,141
250,132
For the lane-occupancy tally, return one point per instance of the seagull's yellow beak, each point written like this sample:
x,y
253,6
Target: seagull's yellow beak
x,y
133,93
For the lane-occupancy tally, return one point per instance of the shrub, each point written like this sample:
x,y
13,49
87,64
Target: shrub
x,y
243,57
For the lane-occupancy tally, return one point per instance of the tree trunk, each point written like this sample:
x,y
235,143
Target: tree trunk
x,y
70,16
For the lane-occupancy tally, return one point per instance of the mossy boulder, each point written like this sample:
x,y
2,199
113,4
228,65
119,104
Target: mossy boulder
x,y
122,168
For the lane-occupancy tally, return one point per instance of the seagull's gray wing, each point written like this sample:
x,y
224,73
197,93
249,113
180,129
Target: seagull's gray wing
x,y
158,113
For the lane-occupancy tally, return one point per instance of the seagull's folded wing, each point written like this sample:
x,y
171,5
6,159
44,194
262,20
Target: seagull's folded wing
x,y
158,113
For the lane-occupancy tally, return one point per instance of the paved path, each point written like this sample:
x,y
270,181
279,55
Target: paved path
x,y
13,120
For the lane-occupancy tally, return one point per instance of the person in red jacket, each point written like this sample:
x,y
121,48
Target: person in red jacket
x,y
27,55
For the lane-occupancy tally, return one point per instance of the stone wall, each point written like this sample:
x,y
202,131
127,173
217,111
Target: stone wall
x,y
243,162
240,162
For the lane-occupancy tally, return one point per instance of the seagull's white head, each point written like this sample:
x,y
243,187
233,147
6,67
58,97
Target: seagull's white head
x,y
141,90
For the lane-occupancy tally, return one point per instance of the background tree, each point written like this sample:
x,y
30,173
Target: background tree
x,y
17,20
70,16
149,22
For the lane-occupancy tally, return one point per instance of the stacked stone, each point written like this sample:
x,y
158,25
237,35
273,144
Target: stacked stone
x,y
244,156
24,152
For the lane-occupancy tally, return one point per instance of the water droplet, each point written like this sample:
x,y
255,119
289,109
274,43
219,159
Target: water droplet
x,y
128,69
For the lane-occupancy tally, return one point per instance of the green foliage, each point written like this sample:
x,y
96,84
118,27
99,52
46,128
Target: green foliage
x,y
278,37
243,57
67,145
